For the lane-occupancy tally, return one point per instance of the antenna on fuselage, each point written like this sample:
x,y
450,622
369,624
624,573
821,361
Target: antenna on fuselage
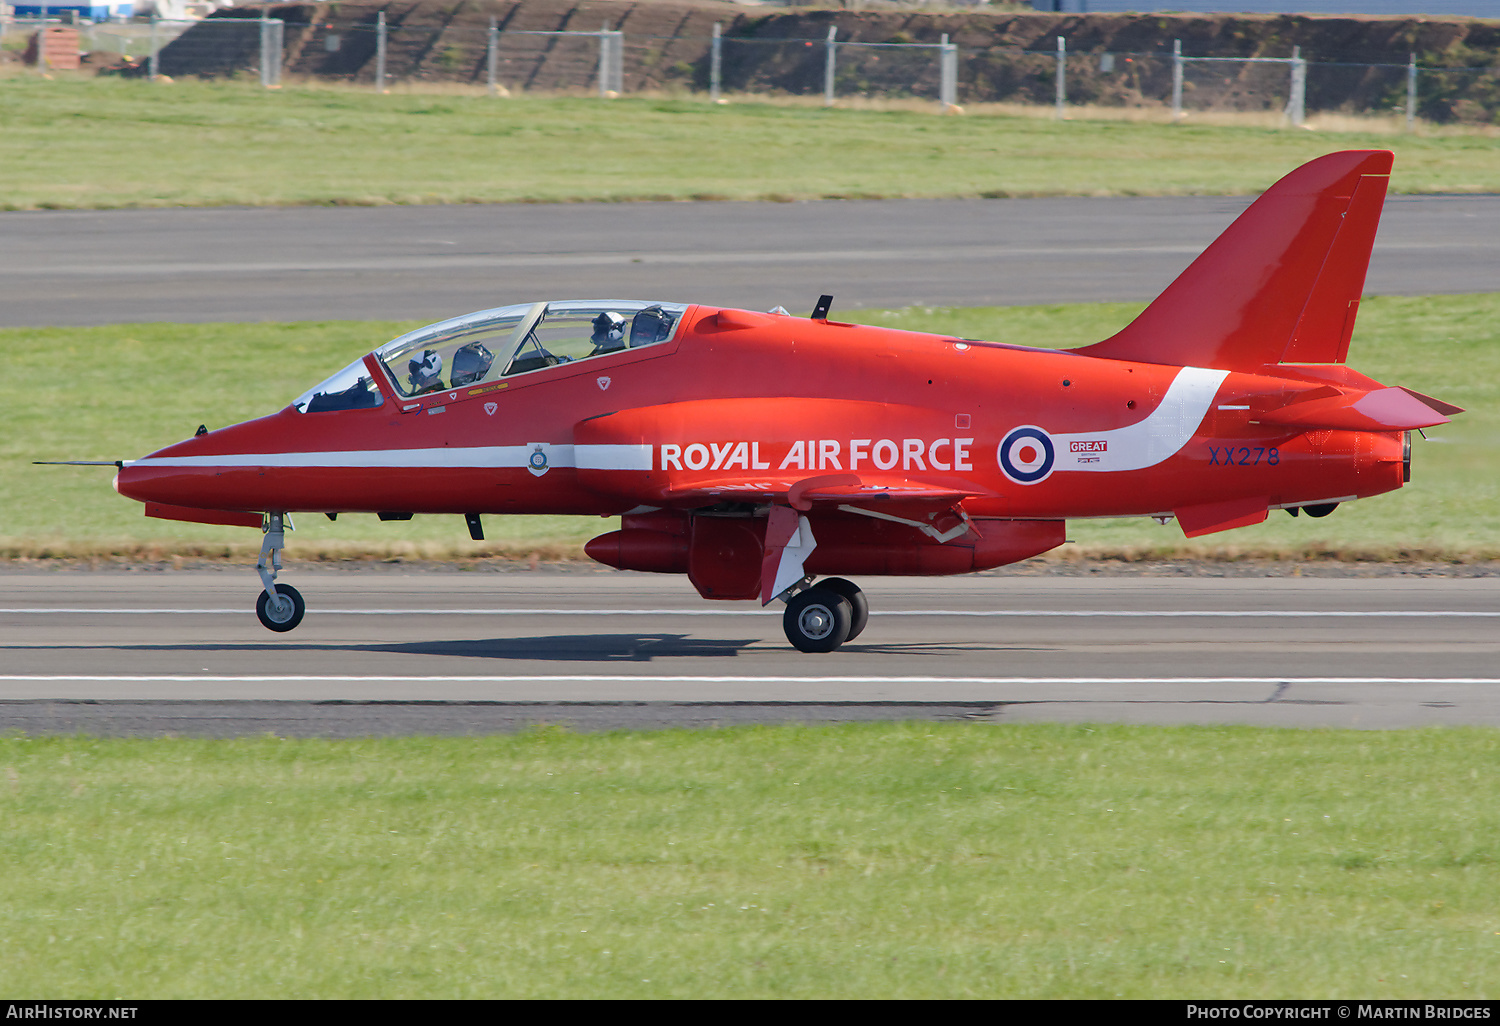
x,y
820,312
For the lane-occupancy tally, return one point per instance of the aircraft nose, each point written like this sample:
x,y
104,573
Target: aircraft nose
x,y
135,483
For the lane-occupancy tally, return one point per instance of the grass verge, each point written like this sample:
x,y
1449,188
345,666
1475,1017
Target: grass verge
x,y
215,143
130,389
905,860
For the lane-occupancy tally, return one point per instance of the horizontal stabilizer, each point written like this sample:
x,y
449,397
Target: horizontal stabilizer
x,y
1281,284
1446,409
1385,409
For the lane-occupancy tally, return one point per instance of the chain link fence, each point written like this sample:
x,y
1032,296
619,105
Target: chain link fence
x,y
833,68
481,52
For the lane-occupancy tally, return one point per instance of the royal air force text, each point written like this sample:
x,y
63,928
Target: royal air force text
x,y
822,454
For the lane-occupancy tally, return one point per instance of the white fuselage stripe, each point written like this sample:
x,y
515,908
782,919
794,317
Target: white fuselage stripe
x,y
1148,442
588,457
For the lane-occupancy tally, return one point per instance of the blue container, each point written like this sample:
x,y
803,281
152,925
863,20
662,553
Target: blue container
x,y
92,11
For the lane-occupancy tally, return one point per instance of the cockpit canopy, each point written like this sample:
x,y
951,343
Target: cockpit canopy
x,y
499,343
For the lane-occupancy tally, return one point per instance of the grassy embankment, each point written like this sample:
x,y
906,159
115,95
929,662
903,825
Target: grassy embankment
x,y
128,390
915,860
115,143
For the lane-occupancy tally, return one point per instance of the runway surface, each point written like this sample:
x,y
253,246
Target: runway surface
x,y
451,652
216,264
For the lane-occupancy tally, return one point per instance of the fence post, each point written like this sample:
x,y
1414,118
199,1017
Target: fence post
x,y
491,57
948,75
42,64
270,50
1062,76
617,65
380,52
603,72
1176,80
1411,93
715,63
1296,104
153,68
828,67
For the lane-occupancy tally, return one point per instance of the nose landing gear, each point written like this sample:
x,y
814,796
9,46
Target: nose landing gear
x,y
823,617
279,608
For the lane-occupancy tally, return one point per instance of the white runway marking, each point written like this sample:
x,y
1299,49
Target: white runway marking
x,y
618,678
776,611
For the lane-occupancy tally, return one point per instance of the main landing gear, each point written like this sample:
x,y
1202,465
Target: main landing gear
x,y
280,607
824,616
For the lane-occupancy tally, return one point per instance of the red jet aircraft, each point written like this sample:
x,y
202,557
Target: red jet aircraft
x,y
759,452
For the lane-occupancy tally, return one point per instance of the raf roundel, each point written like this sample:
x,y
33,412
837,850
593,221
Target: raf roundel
x,y
1026,454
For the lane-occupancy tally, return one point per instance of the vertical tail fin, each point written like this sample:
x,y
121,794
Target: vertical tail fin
x,y
1282,284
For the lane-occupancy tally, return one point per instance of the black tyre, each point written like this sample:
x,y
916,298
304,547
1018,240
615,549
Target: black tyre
x,y
284,615
817,620
1322,509
859,606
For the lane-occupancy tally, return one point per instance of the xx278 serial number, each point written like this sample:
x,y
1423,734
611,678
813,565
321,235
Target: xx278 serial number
x,y
1244,456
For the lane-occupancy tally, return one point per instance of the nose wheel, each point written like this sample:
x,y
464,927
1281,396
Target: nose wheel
x,y
823,617
280,612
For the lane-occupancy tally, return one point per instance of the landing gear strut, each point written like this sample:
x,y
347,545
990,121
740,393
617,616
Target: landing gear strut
x,y
279,608
823,617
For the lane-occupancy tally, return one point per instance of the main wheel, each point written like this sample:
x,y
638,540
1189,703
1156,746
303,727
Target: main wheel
x,y
859,606
1322,509
282,615
817,620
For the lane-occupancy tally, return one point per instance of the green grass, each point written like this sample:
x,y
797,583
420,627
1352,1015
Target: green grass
x,y
130,143
870,861
130,389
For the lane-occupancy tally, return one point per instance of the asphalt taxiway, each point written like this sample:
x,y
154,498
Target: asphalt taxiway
x,y
442,652
319,263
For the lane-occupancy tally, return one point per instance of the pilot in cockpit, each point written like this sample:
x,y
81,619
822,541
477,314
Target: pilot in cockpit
x,y
426,372
609,333
651,325
471,363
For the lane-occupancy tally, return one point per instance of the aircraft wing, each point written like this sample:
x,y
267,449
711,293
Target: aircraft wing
x,y
822,491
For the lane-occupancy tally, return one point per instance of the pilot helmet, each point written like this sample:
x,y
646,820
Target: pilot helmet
x,y
426,370
471,363
608,327
652,324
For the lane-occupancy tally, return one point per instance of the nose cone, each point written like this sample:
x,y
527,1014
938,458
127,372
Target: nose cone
x,y
139,483
194,472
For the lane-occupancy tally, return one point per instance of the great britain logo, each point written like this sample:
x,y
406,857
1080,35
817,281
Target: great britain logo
x,y
1026,455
